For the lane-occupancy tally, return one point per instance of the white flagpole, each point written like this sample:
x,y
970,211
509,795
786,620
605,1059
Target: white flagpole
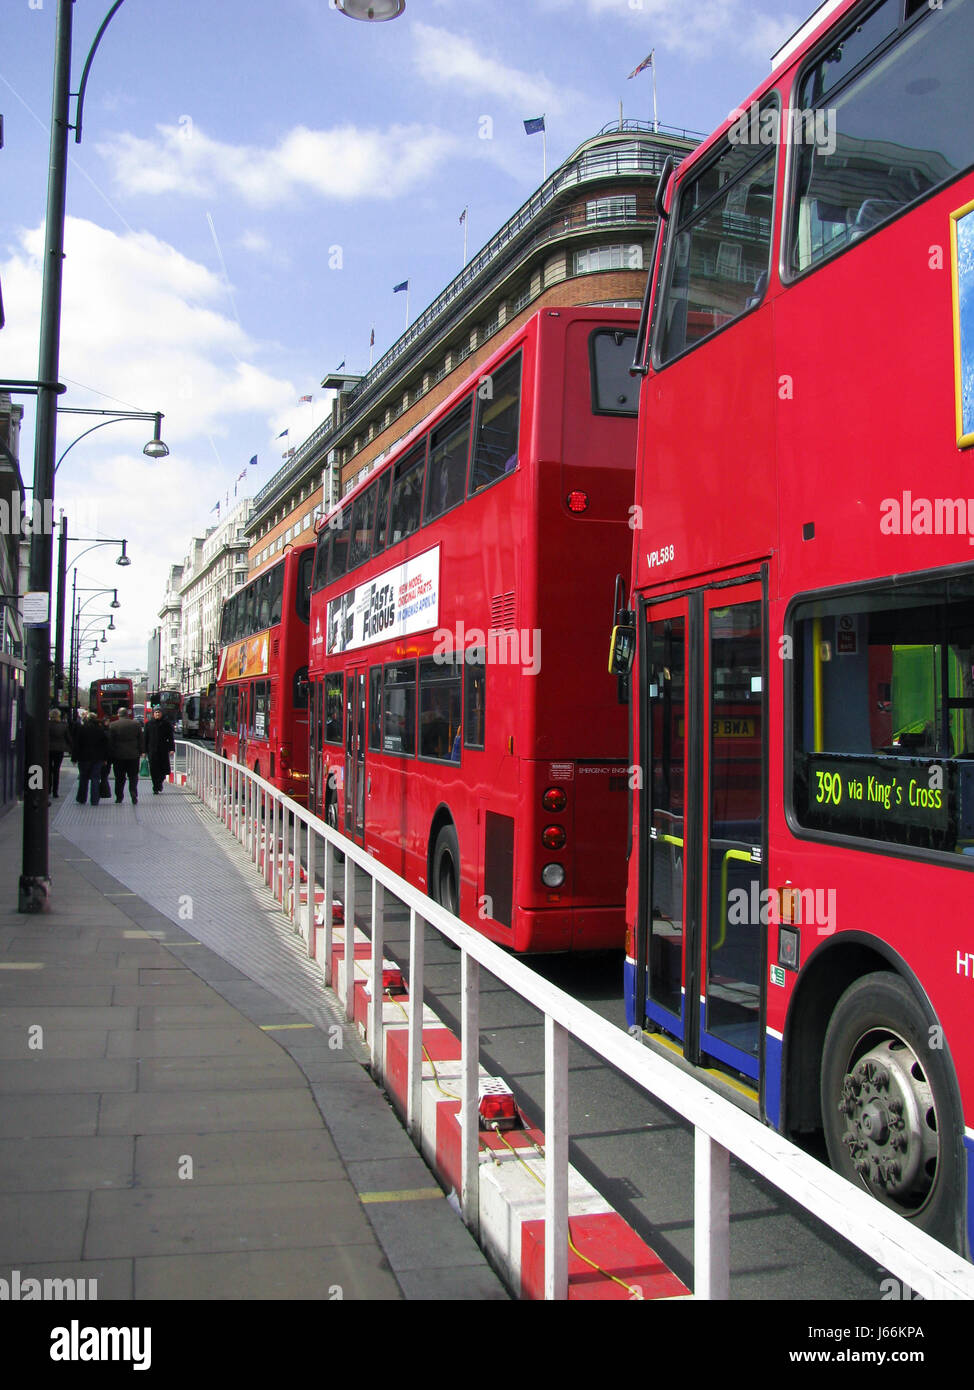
x,y
544,155
465,236
371,346
655,118
407,309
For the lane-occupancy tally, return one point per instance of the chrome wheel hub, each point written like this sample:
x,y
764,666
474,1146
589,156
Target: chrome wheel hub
x,y
892,1134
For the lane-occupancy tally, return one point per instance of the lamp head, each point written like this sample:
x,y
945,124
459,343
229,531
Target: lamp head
x,y
123,559
371,10
155,449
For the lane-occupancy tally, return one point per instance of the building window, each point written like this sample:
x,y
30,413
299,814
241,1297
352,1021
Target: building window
x,y
622,208
595,258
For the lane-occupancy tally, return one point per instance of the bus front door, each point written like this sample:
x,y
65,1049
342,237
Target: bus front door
x,y
355,683
701,931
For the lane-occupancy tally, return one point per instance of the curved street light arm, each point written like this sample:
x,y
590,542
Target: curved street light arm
x,y
87,68
101,425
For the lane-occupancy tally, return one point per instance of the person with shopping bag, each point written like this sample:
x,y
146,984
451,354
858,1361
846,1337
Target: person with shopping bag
x,y
160,742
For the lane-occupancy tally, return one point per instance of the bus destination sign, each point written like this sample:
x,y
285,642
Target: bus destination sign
x,y
911,800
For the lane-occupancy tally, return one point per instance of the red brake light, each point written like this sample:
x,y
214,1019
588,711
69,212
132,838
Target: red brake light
x,y
578,501
553,836
554,799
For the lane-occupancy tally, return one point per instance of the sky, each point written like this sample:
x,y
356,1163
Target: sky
x,y
252,182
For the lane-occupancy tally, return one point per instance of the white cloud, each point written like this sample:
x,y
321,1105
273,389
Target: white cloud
x,y
144,325
444,59
343,163
700,30
254,241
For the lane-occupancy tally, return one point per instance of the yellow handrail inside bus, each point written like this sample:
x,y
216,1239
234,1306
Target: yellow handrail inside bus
x,y
818,729
730,854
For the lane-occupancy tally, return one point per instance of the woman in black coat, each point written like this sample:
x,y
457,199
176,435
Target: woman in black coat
x,y
91,753
159,743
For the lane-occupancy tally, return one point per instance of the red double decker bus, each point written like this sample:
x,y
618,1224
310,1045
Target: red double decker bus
x,y
108,695
261,694
463,726
802,607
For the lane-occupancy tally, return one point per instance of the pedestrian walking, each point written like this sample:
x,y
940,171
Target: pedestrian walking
x,y
127,746
105,786
91,753
59,743
159,743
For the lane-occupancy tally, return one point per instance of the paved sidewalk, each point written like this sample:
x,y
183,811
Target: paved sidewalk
x,y
183,1113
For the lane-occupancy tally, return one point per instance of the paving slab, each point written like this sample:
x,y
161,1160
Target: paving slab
x,y
66,1163
199,1218
218,1159
327,1273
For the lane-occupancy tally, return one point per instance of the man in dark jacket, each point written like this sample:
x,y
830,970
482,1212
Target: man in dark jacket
x,y
91,752
127,745
59,743
159,743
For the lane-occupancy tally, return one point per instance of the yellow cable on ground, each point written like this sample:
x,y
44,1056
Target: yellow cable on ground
x,y
634,1291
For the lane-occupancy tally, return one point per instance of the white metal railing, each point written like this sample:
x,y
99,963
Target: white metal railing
x,y
245,803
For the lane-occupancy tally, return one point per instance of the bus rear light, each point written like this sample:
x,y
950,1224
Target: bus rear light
x,y
553,875
630,941
554,799
578,501
497,1108
553,836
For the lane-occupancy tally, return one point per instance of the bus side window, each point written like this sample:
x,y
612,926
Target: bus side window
x,y
382,512
496,430
375,709
302,601
449,454
338,564
322,547
474,697
407,493
277,593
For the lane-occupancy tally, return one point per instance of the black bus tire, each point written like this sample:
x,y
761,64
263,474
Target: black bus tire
x,y
445,884
888,1106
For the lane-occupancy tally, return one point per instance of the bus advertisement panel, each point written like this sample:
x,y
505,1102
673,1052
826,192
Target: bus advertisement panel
x,y
261,716
802,609
463,725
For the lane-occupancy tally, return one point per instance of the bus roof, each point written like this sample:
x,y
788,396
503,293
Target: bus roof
x,y
456,395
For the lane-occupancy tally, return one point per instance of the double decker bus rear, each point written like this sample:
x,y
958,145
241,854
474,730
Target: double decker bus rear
x,y
261,715
463,725
108,695
803,608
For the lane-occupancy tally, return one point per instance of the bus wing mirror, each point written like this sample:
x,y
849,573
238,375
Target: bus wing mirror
x,y
622,648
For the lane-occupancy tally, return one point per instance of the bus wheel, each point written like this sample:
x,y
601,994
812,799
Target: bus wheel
x,y
887,1104
446,870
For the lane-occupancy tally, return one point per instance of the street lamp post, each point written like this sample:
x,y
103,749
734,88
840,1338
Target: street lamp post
x,y
62,570
35,884
76,611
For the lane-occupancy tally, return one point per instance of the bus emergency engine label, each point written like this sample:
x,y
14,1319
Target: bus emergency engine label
x,y
909,800
393,604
